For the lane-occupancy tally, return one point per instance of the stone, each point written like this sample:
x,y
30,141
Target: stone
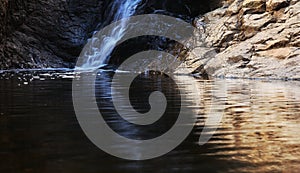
x,y
279,53
46,33
256,21
235,7
232,23
254,6
52,33
199,55
272,5
295,41
261,45
293,2
280,42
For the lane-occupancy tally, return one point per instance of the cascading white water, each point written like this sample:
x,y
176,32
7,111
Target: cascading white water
x,y
100,54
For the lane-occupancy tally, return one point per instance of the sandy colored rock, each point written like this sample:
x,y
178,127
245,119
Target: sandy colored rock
x,y
252,23
254,6
235,7
276,4
261,45
279,53
256,21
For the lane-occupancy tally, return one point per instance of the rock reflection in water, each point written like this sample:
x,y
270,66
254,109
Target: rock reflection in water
x,y
259,131
260,126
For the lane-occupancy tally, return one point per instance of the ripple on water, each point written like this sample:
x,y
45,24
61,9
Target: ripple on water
x,y
261,126
259,130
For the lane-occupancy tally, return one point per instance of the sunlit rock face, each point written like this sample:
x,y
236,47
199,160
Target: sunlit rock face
x,y
251,39
52,33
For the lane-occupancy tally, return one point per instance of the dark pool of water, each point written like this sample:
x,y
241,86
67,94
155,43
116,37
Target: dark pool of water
x,y
259,131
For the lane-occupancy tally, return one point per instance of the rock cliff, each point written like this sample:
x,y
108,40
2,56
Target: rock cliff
x,y
45,33
250,39
52,33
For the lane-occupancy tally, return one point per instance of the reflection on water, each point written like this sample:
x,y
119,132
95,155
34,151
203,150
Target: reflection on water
x,y
261,126
259,131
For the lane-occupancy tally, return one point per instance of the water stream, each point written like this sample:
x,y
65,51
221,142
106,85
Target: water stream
x,y
119,9
39,131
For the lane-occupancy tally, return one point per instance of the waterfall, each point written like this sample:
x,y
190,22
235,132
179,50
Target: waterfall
x,y
120,9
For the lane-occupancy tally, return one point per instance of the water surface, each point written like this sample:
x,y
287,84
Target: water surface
x,y
39,131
